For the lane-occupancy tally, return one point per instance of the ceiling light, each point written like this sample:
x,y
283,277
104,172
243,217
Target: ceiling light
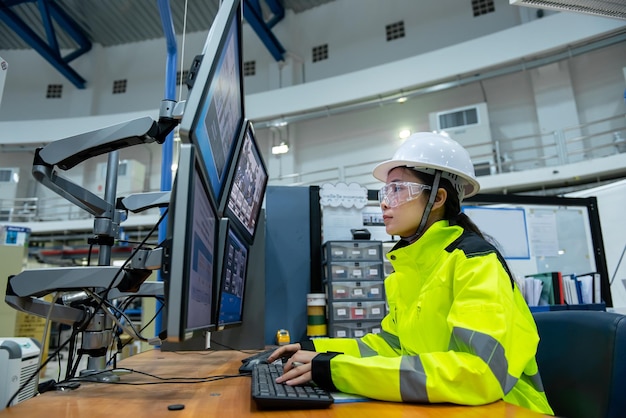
x,y
607,8
283,148
279,123
404,133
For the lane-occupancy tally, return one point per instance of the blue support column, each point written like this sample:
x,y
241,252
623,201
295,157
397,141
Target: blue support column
x,y
170,94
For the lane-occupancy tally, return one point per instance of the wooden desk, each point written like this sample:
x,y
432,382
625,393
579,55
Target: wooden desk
x,y
222,398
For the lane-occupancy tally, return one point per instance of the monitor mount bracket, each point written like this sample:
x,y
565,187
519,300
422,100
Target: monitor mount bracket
x,y
88,287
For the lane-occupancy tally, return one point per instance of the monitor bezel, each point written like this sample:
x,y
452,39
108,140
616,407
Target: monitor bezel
x,y
225,209
226,228
230,13
180,235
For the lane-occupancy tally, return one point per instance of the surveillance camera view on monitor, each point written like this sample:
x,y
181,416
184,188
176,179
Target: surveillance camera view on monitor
x,y
216,100
233,280
248,185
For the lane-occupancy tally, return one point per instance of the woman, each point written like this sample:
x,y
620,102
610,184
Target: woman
x,y
458,329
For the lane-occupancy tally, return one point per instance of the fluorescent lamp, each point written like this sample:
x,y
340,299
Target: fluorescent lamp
x,y
607,8
404,133
283,148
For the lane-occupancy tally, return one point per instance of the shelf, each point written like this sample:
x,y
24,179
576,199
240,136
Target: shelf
x,y
580,307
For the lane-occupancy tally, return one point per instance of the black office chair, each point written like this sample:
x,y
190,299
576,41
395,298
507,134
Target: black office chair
x,y
582,362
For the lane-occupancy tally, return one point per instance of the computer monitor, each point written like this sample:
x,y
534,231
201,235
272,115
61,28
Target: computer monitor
x,y
214,110
246,186
189,265
233,268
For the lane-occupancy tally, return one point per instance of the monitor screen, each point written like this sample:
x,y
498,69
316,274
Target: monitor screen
x,y
233,267
189,267
214,111
247,185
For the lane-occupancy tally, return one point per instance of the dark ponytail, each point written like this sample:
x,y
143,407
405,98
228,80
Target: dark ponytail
x,y
452,208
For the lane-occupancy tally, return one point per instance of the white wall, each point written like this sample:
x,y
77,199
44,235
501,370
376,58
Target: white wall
x,y
611,203
535,38
365,137
434,53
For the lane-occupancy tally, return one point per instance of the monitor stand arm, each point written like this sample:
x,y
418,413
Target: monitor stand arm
x,y
83,289
85,309
69,152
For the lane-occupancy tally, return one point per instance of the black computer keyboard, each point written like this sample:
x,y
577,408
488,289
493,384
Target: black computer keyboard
x,y
271,395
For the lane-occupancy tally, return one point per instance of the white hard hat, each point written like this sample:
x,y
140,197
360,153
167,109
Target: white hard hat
x,y
427,152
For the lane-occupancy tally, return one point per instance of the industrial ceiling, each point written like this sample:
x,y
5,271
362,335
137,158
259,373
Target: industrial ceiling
x,y
53,26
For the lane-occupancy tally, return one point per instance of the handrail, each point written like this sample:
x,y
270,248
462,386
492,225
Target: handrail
x,y
589,146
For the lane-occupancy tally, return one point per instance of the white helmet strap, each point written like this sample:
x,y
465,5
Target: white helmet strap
x,y
427,209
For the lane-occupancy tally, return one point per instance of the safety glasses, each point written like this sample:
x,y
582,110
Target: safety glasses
x,y
400,192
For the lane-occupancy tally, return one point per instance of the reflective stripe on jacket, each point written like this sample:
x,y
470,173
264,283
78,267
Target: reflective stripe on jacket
x,y
458,330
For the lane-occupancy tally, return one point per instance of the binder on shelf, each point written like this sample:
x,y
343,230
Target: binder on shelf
x,y
557,285
585,286
552,288
593,280
579,307
571,291
532,291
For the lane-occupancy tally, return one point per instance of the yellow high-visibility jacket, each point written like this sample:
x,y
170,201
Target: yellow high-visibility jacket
x,y
458,330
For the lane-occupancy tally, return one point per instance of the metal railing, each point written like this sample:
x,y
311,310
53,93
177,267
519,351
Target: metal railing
x,y
589,141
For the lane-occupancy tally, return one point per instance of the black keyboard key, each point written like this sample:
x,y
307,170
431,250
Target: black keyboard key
x,y
271,395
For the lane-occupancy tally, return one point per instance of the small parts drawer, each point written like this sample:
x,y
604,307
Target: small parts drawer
x,y
357,310
353,250
354,329
356,290
354,271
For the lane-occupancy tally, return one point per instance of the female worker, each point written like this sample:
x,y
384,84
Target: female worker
x,y
458,329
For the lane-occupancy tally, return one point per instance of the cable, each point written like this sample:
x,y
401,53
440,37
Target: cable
x,y
161,380
115,319
92,315
127,241
122,345
47,325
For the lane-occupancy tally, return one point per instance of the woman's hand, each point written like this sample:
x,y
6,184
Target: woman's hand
x,y
284,351
297,370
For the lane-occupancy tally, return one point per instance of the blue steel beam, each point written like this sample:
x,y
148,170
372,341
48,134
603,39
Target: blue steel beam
x,y
277,9
73,29
44,11
50,51
252,13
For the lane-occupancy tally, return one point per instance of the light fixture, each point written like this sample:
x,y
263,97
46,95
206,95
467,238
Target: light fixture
x,y
281,148
279,123
404,133
607,8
